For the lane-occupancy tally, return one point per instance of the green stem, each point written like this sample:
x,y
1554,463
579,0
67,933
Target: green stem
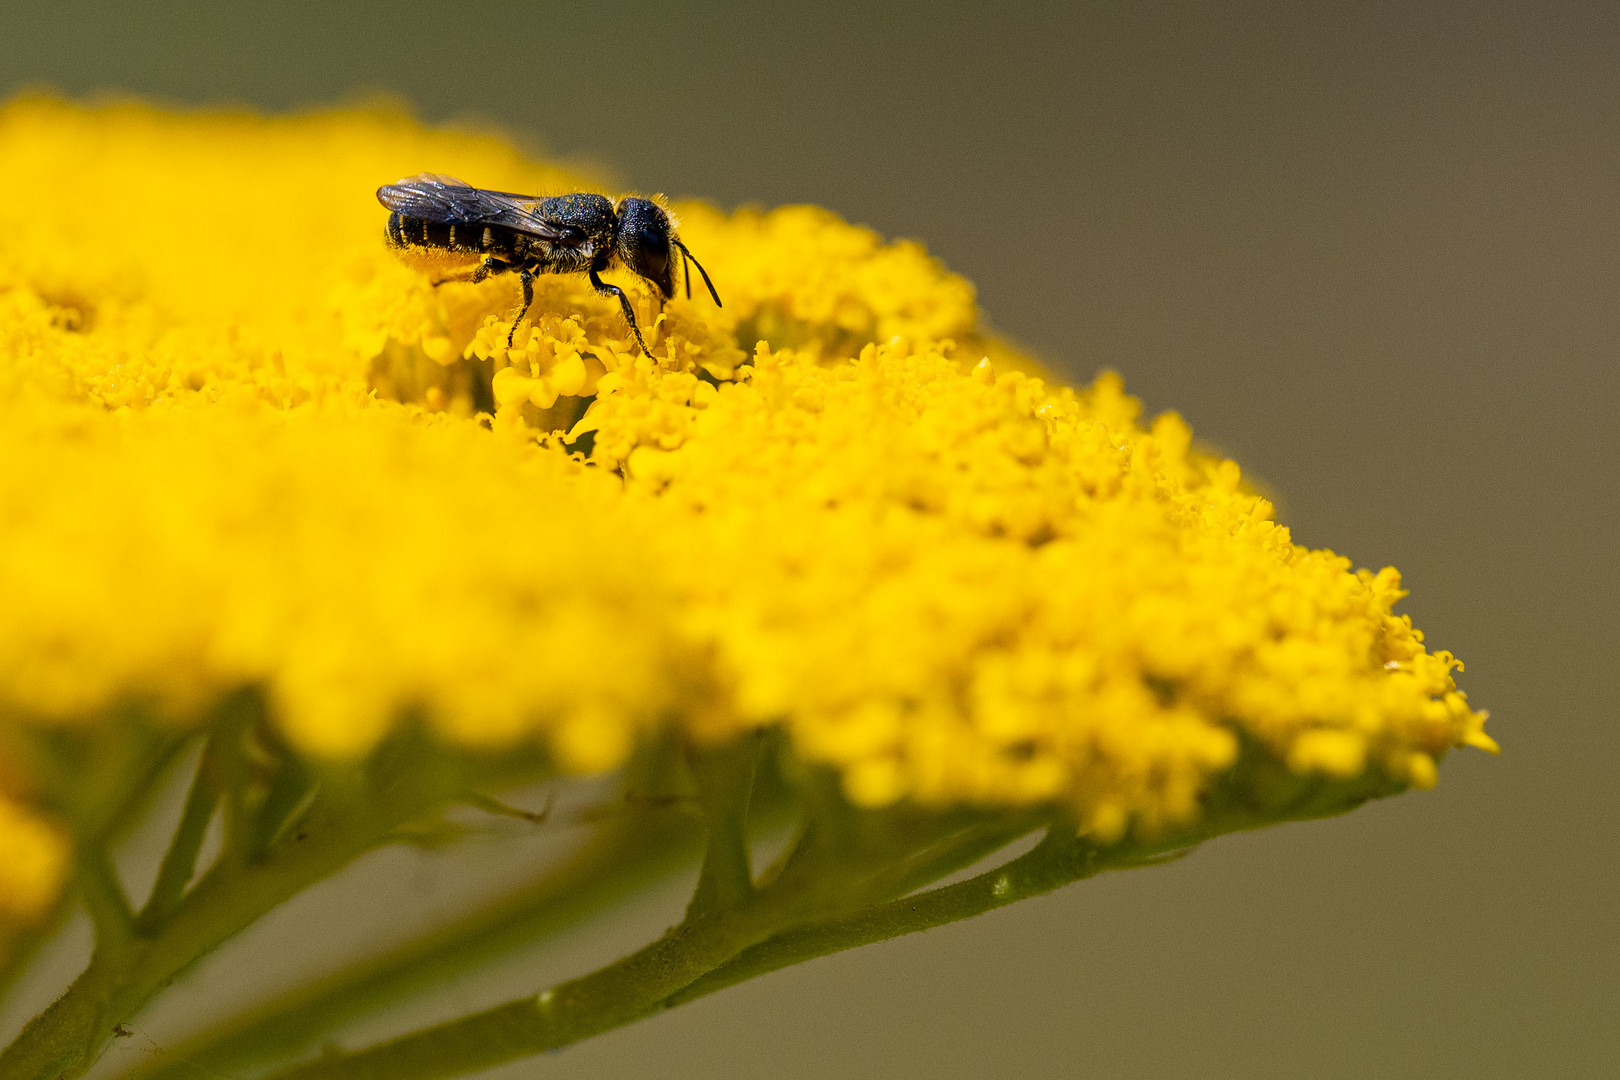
x,y
958,850
180,860
625,852
64,1040
725,780
788,920
237,716
290,788
710,939
605,999
103,896
100,784
1058,860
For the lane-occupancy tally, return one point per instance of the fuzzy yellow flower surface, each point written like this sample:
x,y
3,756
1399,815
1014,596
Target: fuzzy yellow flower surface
x,y
246,446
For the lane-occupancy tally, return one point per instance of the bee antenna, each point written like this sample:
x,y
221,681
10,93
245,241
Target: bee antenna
x,y
688,255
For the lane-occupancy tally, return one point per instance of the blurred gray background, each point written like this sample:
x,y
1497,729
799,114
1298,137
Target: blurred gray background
x,y
1372,251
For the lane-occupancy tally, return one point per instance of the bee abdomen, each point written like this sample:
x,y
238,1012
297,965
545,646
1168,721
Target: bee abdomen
x,y
474,239
395,231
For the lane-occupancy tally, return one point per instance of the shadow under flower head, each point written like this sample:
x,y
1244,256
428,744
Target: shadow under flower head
x,y
246,447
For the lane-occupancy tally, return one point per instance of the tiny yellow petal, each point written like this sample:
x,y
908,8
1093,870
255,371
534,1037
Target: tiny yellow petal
x,y
543,392
439,349
568,375
1421,769
1337,753
510,384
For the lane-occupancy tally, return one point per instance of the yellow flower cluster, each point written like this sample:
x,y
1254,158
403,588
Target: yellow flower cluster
x,y
246,445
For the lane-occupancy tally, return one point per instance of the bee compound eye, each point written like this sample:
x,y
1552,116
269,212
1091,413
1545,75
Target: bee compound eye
x,y
654,245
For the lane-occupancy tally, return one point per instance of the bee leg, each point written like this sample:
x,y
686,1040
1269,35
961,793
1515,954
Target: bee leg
x,y
526,276
604,289
489,265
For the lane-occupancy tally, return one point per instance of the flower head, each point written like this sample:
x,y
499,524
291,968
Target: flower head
x,y
246,446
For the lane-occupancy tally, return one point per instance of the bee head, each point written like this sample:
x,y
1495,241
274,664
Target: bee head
x,y
643,242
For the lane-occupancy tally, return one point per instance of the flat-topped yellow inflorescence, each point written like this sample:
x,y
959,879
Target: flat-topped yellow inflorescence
x,y
246,446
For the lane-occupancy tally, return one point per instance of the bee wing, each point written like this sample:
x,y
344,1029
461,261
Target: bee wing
x,y
433,197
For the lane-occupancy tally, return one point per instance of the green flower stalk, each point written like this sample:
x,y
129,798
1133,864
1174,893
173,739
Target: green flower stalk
x,y
829,564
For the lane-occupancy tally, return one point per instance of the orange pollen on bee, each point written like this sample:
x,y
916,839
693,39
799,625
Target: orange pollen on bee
x,y
435,260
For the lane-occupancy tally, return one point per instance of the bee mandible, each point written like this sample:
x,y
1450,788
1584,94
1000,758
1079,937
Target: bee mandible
x,y
434,217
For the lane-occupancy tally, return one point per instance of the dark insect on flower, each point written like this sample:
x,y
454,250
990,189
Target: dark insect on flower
x,y
439,219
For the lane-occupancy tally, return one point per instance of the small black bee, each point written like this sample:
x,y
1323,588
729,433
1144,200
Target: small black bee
x,y
436,216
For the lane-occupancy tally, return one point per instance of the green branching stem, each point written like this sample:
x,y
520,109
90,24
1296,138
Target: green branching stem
x,y
960,848
605,999
102,779
345,822
237,716
290,789
705,954
104,898
180,860
795,917
625,852
725,781
1057,860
